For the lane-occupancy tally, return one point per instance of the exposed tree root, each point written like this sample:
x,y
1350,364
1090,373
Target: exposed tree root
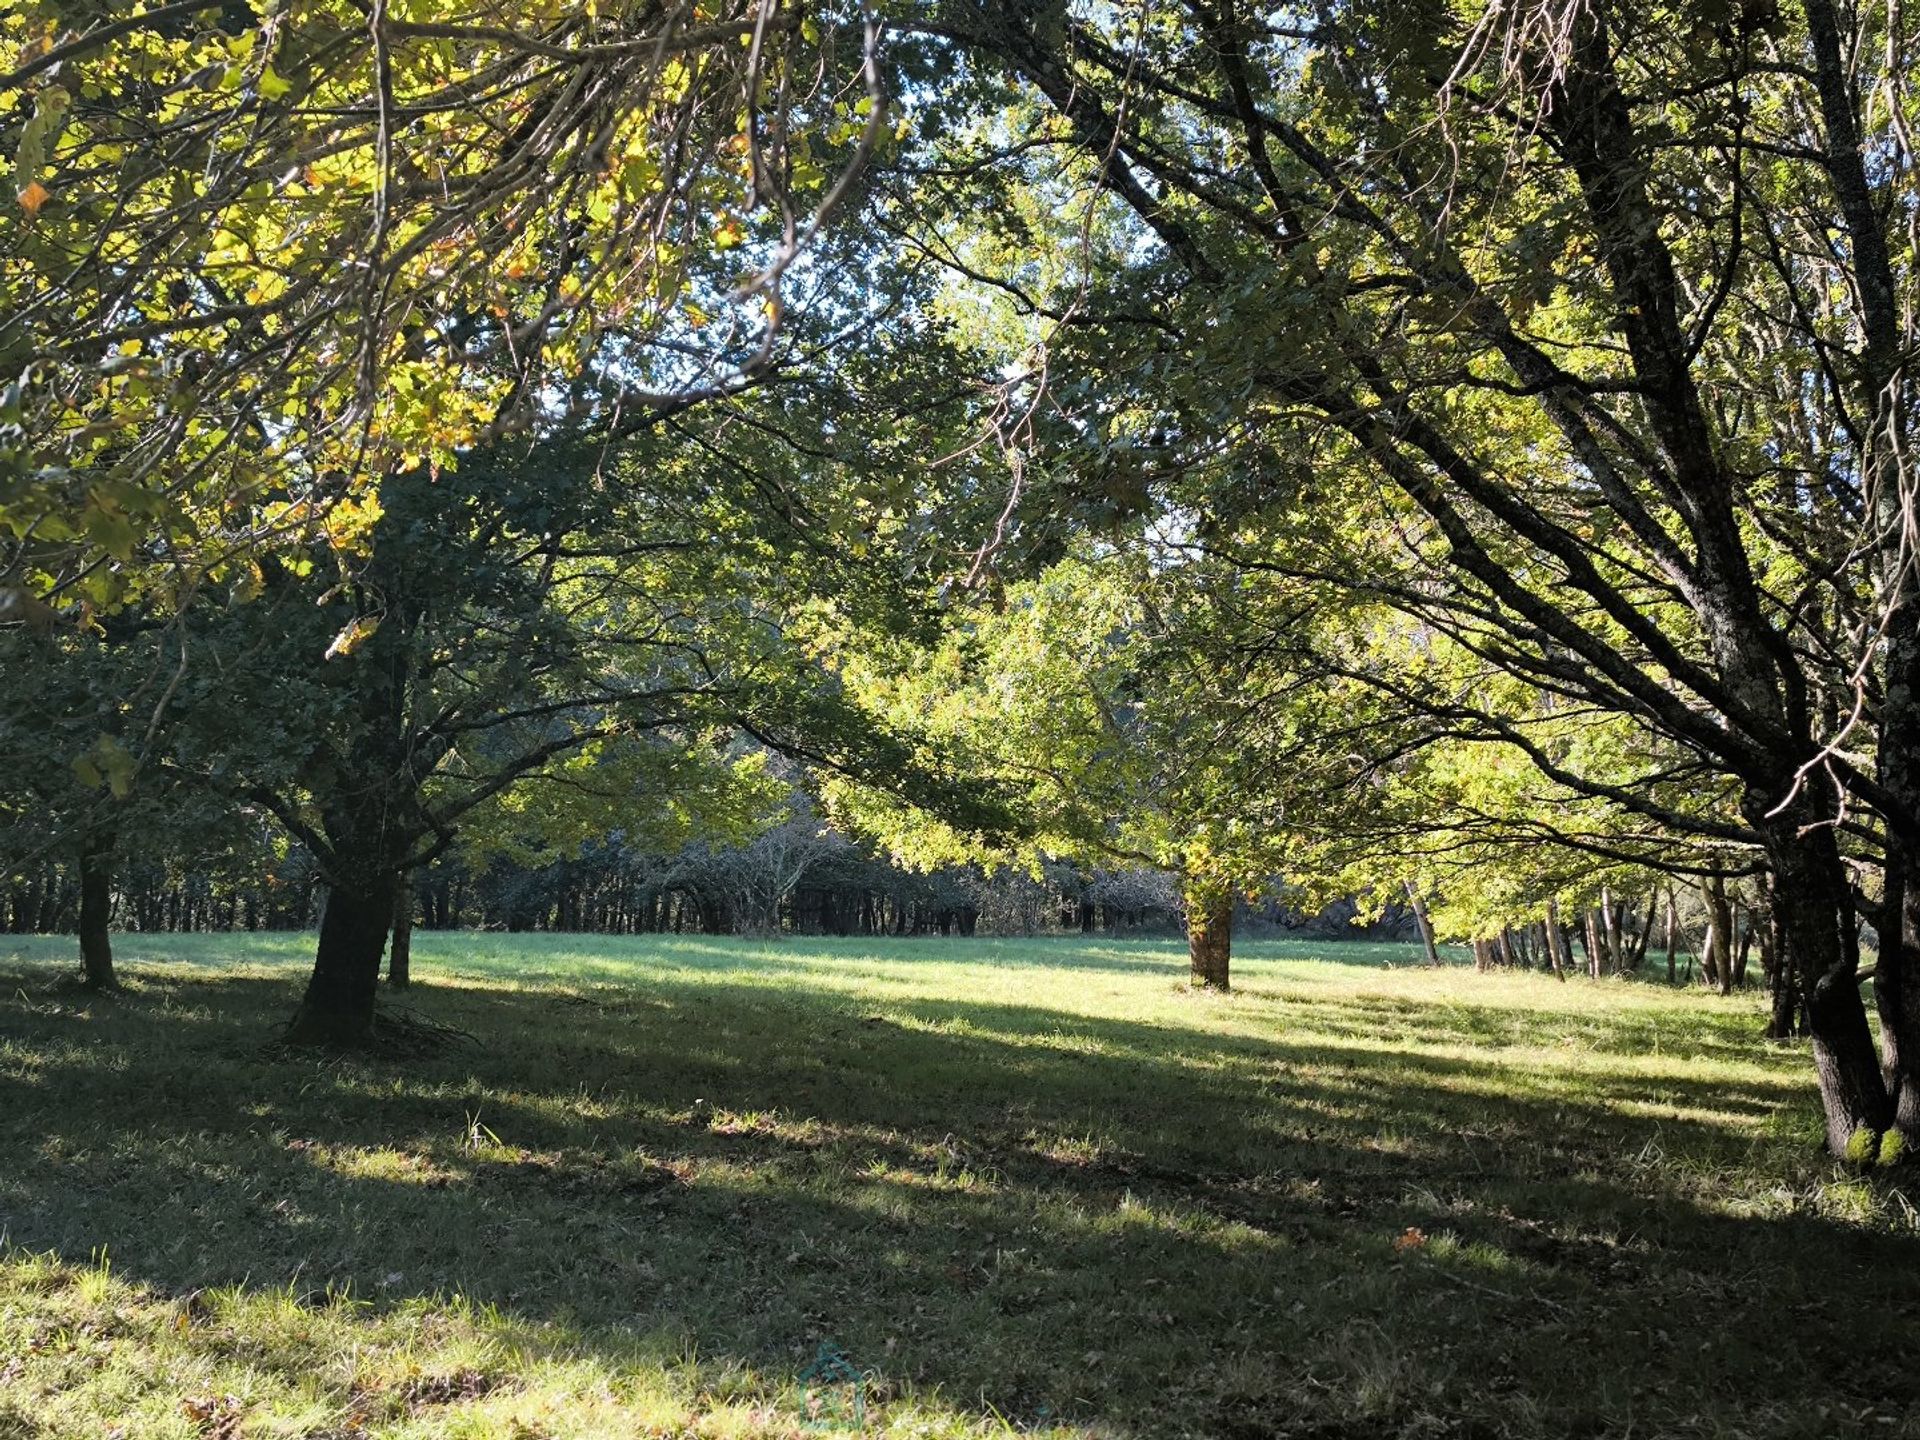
x,y
394,1034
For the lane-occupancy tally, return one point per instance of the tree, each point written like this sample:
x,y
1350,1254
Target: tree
x,y
1551,300
88,779
1115,737
494,628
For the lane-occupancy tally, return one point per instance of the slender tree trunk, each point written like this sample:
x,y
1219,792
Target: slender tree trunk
x,y
1637,952
1556,940
338,1006
1784,985
96,904
1610,918
400,947
1710,939
1722,943
1743,925
1673,932
1210,937
1422,923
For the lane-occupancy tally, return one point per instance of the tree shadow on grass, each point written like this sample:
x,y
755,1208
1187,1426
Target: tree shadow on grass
x,y
1147,1228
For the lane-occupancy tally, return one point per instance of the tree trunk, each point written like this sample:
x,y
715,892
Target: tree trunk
x,y
1422,923
1673,931
1556,938
96,904
1210,937
1783,1021
1896,980
1709,950
400,948
1896,999
1610,918
338,1006
1885,390
1721,941
1819,943
1637,951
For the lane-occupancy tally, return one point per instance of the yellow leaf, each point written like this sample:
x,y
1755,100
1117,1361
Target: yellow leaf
x,y
251,582
358,631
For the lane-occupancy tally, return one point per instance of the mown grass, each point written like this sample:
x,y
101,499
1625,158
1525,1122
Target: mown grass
x,y
1024,1187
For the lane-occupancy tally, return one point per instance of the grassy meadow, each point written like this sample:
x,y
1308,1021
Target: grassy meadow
x,y
728,1188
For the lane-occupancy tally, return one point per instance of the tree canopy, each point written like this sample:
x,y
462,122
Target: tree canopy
x,y
1440,452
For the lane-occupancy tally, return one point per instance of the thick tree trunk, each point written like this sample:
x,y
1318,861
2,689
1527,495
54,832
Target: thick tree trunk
x,y
96,904
1210,938
400,947
1896,980
1820,945
1896,999
338,1006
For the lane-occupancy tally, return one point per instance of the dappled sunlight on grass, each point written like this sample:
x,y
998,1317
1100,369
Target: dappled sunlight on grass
x,y
1026,1183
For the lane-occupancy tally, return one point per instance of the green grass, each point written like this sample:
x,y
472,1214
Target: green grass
x,y
1025,1186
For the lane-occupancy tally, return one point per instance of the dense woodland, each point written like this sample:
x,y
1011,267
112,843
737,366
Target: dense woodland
x,y
530,464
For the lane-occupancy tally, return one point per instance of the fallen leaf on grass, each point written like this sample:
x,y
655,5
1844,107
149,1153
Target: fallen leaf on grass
x,y
217,1416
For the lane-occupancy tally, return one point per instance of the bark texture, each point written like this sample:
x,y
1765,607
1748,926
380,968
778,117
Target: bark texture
x,y
96,906
1210,940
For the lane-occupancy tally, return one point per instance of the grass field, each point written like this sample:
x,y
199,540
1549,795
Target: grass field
x,y
1021,1186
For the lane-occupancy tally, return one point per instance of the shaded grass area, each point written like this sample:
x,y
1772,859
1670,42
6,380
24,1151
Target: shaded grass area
x,y
1023,1187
